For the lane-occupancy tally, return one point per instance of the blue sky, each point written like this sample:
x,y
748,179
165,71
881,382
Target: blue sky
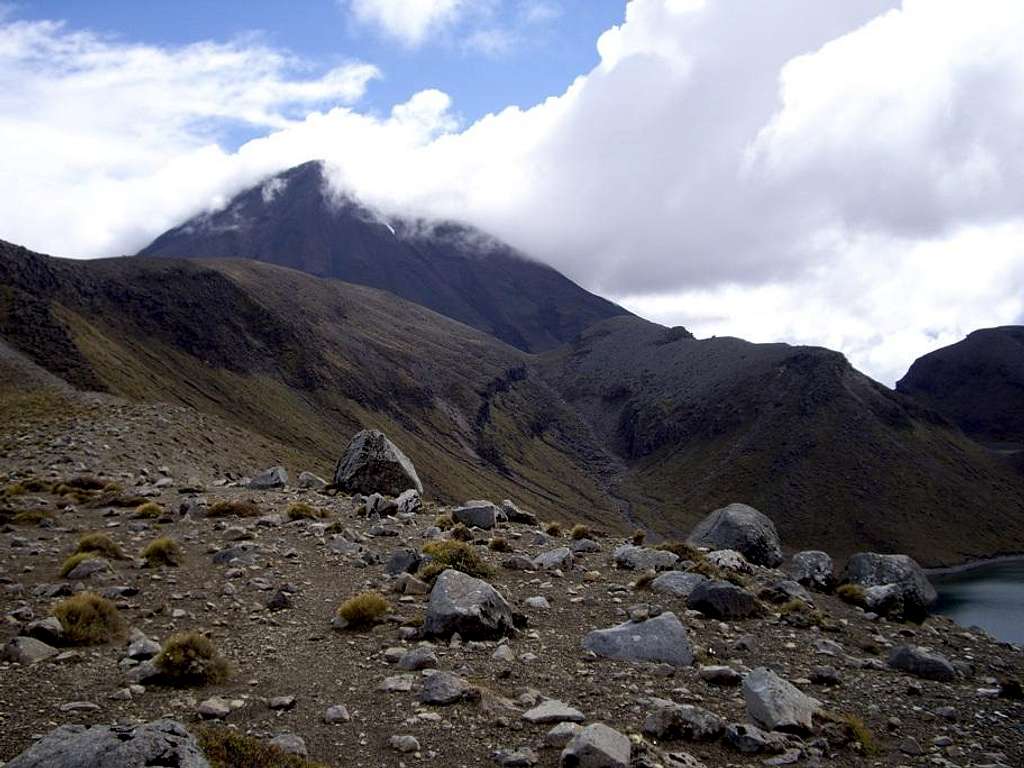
x,y
541,59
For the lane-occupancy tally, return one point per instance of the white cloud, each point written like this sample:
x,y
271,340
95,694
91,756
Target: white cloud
x,y
818,171
409,21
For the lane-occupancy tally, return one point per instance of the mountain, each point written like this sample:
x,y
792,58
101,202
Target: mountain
x,y
293,220
630,424
978,384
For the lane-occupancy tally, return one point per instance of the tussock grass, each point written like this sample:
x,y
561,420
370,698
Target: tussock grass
x,y
74,561
644,580
14,489
364,610
580,531
452,554
226,748
300,510
32,516
553,528
856,730
499,544
233,508
188,659
89,619
461,533
100,544
162,551
682,550
445,522
637,539
148,511
852,593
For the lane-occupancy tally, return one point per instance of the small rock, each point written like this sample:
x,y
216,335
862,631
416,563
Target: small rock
x,y
290,744
553,711
214,708
404,743
777,704
337,713
597,746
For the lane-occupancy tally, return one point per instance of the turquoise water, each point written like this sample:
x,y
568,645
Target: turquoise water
x,y
989,596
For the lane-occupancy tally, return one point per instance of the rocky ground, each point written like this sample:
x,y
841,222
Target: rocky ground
x,y
265,590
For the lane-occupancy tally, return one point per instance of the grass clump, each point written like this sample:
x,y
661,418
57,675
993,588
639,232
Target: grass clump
x,y
461,533
445,522
682,550
452,554
190,659
88,619
645,579
580,531
300,510
14,489
499,544
364,610
148,511
637,539
226,748
553,528
852,593
100,544
854,729
162,551
74,561
233,508
32,516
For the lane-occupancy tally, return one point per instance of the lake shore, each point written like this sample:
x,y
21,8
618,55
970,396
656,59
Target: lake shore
x,y
949,570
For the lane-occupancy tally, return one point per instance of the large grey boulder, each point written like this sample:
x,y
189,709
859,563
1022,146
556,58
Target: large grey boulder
x,y
677,583
643,558
921,662
597,746
373,464
742,528
777,704
27,650
812,569
275,477
869,569
476,513
722,600
469,606
661,639
163,742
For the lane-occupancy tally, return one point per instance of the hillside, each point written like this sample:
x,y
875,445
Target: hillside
x,y
294,220
978,384
630,424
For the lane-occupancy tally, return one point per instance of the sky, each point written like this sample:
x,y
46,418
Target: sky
x,y
847,174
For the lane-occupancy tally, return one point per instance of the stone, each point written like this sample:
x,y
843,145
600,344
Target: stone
x,y
812,569
597,746
720,675
442,689
282,702
785,591
404,743
280,601
750,740
471,607
476,514
421,657
885,600
162,742
729,560
275,477
869,569
409,502
27,650
584,547
142,648
407,584
403,561
48,630
920,662
825,676
337,713
88,568
373,464
722,600
290,744
742,528
669,720
777,704
516,515
214,708
397,684
643,558
310,482
661,639
517,563
537,603
552,711
524,757
561,734
676,583
555,559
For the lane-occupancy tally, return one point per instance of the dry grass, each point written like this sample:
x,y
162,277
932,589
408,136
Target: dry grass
x,y
225,748
100,544
461,533
364,610
455,555
14,489
74,561
644,580
234,508
580,531
499,544
89,619
190,659
445,522
553,528
148,511
300,510
637,539
682,550
32,516
162,551
852,593
856,730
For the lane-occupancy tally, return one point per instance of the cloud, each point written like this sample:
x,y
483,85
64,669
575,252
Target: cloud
x,y
408,21
817,171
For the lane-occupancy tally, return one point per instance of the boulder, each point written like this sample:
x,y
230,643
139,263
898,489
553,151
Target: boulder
x,y
49,630
661,639
27,650
597,746
409,502
584,547
669,720
729,560
275,477
742,528
310,482
643,558
373,464
869,569
403,561
784,591
749,739
466,605
777,704
676,583
163,742
516,515
476,514
722,600
920,662
554,559
442,689
812,569
552,711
